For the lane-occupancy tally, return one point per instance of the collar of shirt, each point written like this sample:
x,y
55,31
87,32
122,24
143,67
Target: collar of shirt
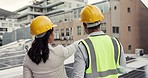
x,y
50,47
96,33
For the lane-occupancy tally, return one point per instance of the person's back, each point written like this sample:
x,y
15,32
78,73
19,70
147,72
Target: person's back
x,y
54,66
42,60
99,55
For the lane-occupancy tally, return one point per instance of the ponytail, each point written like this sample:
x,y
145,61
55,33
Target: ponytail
x,y
39,50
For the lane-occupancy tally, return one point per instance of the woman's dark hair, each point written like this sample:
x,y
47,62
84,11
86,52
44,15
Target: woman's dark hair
x,y
39,50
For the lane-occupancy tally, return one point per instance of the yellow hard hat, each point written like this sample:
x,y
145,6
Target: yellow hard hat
x,y
40,24
90,14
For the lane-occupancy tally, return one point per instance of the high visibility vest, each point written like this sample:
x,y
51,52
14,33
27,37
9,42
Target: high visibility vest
x,y
103,56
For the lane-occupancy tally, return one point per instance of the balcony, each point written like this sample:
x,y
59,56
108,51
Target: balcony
x,y
55,4
55,11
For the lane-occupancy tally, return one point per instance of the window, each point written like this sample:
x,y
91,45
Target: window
x,y
10,25
57,35
31,8
32,16
67,32
48,1
79,11
128,10
49,9
115,29
15,25
70,5
115,7
129,28
62,32
1,34
103,27
65,19
129,47
70,31
4,24
78,30
3,29
38,10
75,13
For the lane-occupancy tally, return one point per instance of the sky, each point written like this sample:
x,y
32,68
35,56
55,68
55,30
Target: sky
x,y
12,5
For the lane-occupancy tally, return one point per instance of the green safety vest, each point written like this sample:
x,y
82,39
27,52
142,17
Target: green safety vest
x,y
103,56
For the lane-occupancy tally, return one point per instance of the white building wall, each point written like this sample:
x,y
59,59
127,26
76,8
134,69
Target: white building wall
x,y
8,25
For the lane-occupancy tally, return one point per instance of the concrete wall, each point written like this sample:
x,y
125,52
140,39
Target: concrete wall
x,y
143,27
129,19
18,34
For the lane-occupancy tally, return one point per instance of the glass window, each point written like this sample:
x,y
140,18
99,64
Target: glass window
x,y
10,25
115,7
38,10
3,29
31,8
129,47
75,13
78,30
115,29
129,28
32,16
4,24
57,36
79,11
67,32
49,9
129,10
48,1
15,25
62,32
103,27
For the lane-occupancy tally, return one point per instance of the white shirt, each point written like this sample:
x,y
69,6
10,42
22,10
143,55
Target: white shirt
x,y
54,66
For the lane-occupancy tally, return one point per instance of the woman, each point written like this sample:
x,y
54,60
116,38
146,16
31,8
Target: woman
x,y
42,60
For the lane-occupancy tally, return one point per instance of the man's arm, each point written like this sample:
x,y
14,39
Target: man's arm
x,y
122,61
79,63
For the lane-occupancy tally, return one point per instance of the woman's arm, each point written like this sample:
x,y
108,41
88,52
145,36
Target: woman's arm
x,y
27,72
71,49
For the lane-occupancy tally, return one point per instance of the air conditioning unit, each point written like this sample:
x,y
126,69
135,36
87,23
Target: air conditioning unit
x,y
67,37
71,37
139,52
62,38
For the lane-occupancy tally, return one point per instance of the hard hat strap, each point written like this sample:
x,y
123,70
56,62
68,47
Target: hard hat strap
x,y
89,25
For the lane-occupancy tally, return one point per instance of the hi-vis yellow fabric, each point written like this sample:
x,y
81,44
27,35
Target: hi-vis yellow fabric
x,y
104,54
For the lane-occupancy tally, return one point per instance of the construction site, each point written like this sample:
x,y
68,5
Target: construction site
x,y
124,19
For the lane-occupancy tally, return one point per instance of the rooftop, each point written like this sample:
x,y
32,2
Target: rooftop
x,y
5,12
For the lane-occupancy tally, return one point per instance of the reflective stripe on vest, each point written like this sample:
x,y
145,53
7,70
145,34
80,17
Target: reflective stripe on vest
x,y
93,72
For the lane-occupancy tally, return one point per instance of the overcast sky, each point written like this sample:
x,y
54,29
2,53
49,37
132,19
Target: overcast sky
x,y
13,5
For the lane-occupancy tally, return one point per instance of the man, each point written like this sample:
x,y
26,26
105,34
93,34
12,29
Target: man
x,y
98,55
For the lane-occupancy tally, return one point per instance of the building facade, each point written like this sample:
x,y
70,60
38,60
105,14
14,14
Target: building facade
x,y
7,24
124,19
16,35
46,7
